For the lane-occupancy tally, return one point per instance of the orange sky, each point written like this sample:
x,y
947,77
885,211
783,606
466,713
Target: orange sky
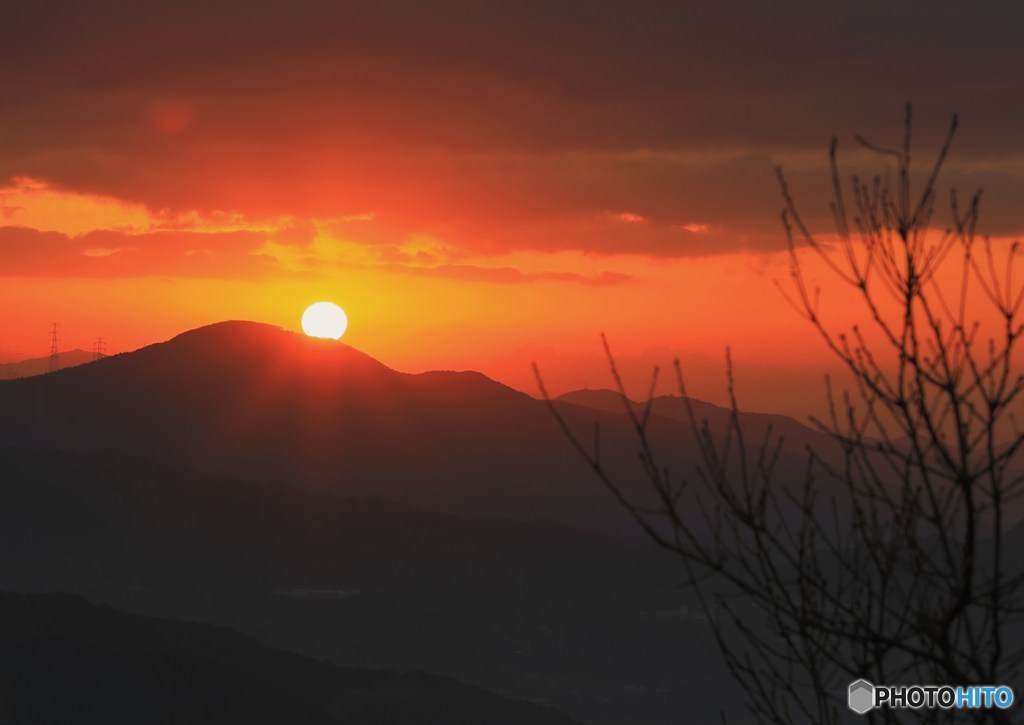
x,y
478,186
121,272
106,268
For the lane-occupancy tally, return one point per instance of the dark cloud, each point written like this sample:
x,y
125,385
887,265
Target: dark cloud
x,y
503,125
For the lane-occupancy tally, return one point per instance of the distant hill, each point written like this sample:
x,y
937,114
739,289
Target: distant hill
x,y
65,660
41,365
257,402
673,407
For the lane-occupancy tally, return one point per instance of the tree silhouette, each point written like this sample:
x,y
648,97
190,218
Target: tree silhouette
x,y
891,559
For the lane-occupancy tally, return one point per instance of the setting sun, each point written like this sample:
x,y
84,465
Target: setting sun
x,y
324,319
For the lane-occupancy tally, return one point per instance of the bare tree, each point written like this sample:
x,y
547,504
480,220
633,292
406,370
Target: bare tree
x,y
890,560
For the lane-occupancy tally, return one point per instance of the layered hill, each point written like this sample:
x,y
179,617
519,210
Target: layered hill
x,y
534,610
72,520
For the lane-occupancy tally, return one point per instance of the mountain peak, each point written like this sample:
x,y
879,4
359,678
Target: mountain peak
x,y
244,343
234,327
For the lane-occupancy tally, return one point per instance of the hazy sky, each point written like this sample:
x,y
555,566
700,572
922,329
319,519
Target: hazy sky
x,y
479,184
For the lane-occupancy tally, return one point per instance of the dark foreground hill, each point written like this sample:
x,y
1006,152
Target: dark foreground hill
x,y
64,660
534,610
257,402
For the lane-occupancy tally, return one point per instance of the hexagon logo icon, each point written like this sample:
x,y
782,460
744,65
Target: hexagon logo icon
x,y
861,696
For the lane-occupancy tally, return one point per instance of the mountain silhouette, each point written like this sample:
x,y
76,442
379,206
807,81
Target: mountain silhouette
x,y
299,490
258,402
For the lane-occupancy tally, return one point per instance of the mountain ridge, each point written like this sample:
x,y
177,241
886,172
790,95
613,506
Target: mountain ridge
x,y
674,407
254,401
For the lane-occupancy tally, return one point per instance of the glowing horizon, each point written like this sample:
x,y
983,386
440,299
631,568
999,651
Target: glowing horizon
x,y
474,206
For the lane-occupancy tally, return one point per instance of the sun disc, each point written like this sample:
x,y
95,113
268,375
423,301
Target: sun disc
x,y
325,320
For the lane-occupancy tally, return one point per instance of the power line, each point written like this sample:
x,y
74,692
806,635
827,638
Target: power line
x,y
99,349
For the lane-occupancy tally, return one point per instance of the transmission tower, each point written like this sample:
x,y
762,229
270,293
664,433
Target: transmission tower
x,y
54,348
100,349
